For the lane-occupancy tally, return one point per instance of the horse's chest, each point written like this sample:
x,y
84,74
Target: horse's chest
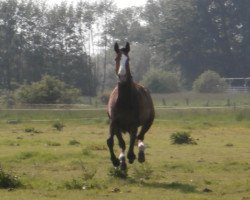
x,y
126,118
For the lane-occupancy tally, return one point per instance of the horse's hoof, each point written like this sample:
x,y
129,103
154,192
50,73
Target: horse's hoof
x,y
123,166
116,162
131,158
131,161
141,156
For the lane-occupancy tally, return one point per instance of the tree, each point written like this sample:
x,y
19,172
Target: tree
x,y
197,35
37,40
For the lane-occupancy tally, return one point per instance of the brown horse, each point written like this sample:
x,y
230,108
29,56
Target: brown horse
x,y
130,106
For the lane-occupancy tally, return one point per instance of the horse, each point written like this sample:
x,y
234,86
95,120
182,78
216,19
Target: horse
x,y
130,106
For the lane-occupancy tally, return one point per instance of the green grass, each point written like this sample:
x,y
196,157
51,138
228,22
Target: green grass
x,y
74,163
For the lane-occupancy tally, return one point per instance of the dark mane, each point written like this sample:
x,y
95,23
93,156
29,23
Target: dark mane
x,y
130,107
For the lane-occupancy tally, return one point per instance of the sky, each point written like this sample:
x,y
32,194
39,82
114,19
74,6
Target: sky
x,y
119,3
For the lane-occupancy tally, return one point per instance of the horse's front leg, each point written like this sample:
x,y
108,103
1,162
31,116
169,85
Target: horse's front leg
x,y
122,157
131,155
110,143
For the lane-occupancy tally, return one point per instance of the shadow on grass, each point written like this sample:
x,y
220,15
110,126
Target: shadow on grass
x,y
185,188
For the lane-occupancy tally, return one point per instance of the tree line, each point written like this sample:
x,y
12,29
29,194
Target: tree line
x,y
184,37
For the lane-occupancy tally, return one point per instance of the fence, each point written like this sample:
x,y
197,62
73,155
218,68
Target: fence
x,y
237,85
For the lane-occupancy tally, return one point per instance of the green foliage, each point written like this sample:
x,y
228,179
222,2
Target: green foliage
x,y
86,181
116,172
47,91
104,97
159,81
53,144
144,171
58,125
74,142
182,138
31,130
76,184
8,180
209,82
30,50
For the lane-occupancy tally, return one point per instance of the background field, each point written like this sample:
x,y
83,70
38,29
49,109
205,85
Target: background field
x,y
74,163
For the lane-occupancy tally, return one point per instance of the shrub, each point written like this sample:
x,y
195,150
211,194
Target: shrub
x,y
117,173
86,181
76,184
209,82
8,180
104,98
48,90
74,142
58,125
53,144
159,81
182,138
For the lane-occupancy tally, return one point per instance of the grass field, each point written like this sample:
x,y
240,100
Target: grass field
x,y
74,163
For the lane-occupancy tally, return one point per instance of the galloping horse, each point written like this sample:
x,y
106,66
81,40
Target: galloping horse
x,y
130,106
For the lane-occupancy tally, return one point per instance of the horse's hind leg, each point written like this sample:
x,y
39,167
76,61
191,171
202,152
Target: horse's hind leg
x,y
110,143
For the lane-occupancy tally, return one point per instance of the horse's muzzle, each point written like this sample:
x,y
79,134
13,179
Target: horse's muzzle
x,y
122,78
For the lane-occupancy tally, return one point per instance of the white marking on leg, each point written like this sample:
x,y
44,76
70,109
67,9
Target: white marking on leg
x,y
141,146
122,156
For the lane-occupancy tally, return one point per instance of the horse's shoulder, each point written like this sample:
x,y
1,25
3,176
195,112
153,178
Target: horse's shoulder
x,y
141,88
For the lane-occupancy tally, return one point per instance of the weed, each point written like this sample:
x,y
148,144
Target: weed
x,y
27,155
87,173
98,147
182,138
53,144
74,142
143,172
86,152
58,125
74,184
31,130
240,117
7,180
84,182
117,173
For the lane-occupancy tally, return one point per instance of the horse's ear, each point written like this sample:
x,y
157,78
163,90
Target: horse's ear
x,y
116,48
127,47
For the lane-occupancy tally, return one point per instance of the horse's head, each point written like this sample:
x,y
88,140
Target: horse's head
x,y
122,62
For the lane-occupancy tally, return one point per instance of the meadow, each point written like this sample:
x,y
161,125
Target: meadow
x,y
62,154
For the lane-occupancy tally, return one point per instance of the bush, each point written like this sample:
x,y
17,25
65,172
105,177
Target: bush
x,y
209,82
8,180
159,81
182,138
47,91
58,125
74,142
104,98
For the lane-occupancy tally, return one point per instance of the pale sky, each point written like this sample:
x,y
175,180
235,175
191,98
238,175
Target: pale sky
x,y
119,3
